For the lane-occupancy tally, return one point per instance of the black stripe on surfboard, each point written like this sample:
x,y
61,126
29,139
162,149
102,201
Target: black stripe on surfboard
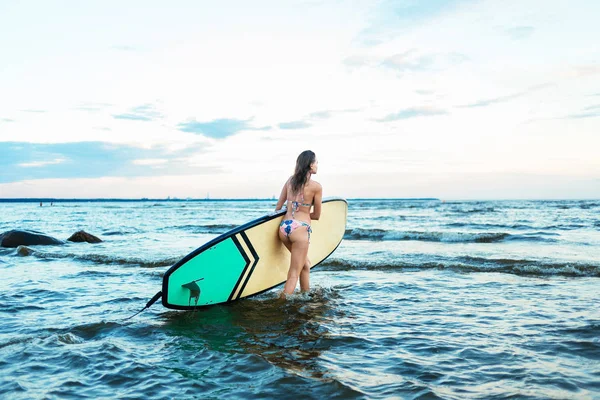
x,y
243,253
255,255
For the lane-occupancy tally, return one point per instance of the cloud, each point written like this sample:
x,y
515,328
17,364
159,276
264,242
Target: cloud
x,y
456,58
34,111
411,61
396,16
355,61
145,112
495,100
219,128
519,32
326,114
588,112
92,107
408,61
133,117
503,99
320,114
24,160
36,164
313,117
584,115
294,125
587,70
412,113
7,120
125,48
150,161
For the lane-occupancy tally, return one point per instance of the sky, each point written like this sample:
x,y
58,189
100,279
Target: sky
x,y
452,99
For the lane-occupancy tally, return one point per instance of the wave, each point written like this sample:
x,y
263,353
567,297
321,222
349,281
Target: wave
x,y
473,264
562,206
94,273
386,204
514,226
576,205
450,237
6,251
386,218
473,210
487,226
108,260
93,330
210,228
18,340
587,330
121,232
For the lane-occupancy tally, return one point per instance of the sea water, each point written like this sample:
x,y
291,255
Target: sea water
x,y
422,299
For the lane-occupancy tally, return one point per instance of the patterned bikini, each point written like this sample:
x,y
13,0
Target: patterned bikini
x,y
290,225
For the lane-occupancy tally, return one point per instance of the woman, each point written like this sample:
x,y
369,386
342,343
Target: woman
x,y
299,193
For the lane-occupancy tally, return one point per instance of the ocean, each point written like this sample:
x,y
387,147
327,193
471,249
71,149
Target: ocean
x,y
423,299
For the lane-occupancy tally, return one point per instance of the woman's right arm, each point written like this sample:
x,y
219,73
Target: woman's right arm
x,y
317,200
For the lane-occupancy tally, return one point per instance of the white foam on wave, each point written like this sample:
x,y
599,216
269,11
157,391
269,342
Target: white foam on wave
x,y
517,267
451,237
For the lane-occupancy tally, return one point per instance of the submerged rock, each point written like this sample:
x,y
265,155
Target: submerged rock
x,y
24,251
83,236
16,238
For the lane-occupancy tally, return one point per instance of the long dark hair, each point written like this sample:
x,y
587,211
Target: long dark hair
x,y
305,159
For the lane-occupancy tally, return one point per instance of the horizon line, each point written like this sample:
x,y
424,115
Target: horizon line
x,y
194,199
125,199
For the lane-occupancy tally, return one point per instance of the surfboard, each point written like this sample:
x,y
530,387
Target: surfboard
x,y
248,260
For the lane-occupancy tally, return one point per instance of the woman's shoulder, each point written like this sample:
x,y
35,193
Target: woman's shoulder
x,y
315,185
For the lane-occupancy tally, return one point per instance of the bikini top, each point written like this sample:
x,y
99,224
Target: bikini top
x,y
298,204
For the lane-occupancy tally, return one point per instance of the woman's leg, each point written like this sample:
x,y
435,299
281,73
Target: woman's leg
x,y
298,260
305,276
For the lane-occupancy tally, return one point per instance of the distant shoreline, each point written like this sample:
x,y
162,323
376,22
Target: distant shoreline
x,y
97,200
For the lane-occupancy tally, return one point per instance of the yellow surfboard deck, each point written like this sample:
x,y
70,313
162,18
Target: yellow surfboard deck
x,y
248,260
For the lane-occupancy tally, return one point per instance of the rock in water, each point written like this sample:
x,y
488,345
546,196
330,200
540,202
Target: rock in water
x,y
17,238
24,251
83,236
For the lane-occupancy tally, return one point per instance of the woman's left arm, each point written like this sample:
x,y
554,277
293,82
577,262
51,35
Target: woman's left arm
x,y
282,198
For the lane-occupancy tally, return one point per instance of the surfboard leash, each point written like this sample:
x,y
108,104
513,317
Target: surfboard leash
x,y
148,304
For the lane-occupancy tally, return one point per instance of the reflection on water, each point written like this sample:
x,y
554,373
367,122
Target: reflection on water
x,y
288,334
